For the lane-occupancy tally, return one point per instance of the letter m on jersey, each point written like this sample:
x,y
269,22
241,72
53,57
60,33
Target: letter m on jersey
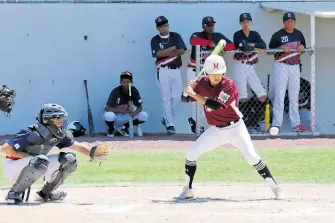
x,y
216,66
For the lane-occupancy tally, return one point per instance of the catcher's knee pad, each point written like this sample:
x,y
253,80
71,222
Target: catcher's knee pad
x,y
109,116
36,168
68,160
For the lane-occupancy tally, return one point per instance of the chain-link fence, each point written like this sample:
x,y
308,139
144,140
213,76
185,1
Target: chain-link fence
x,y
274,88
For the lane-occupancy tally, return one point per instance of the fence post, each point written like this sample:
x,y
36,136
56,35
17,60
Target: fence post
x,y
198,105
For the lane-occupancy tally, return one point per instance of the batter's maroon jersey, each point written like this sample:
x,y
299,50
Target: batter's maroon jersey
x,y
226,94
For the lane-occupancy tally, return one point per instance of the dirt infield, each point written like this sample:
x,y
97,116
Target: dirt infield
x,y
180,141
185,141
156,203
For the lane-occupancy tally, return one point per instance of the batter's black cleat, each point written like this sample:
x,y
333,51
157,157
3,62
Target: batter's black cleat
x,y
13,198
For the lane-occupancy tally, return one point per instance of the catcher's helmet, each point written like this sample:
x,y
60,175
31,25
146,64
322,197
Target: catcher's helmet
x,y
76,128
49,112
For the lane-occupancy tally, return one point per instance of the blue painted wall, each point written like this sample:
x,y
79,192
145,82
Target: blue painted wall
x,y
45,57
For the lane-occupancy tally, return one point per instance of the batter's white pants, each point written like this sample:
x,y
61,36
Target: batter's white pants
x,y
171,87
120,119
244,75
191,75
286,77
236,135
13,168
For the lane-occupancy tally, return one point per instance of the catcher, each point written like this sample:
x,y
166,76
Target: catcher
x,y
27,158
7,96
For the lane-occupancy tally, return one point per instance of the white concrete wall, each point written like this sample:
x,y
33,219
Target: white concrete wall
x,y
45,58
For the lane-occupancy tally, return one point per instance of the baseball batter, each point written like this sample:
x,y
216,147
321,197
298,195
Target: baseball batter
x,y
219,97
207,39
245,74
167,47
117,109
287,71
27,158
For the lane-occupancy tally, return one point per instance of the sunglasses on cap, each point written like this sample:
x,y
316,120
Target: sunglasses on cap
x,y
210,24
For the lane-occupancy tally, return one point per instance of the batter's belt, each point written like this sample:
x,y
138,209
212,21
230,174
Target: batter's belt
x,y
228,124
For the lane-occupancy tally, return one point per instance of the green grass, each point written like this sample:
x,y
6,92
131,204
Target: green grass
x,y
315,165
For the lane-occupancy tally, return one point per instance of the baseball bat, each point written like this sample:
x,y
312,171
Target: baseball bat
x,y
131,124
217,50
89,111
267,108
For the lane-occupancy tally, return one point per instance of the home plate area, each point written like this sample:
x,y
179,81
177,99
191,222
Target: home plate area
x,y
158,203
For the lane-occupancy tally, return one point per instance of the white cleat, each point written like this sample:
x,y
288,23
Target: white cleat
x,y
186,194
139,131
279,193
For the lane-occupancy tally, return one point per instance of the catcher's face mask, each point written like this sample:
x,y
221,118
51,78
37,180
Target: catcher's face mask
x,y
57,123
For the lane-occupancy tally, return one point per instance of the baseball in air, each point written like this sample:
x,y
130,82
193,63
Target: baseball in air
x,y
274,131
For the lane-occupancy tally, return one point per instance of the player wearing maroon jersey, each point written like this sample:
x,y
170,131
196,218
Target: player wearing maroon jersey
x,y
219,96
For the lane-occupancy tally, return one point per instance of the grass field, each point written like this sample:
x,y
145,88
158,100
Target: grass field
x,y
287,165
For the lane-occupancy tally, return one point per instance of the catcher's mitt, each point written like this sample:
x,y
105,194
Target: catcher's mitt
x,y
7,96
99,153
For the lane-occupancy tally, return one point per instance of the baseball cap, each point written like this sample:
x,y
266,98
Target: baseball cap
x,y
161,20
288,15
215,64
126,74
208,19
244,16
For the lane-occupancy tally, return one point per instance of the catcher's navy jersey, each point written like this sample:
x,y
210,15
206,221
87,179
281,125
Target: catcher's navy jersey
x,y
158,43
290,40
120,99
254,38
205,45
31,141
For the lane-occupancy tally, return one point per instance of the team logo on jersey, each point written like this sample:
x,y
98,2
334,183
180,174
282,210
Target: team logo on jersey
x,y
53,140
224,96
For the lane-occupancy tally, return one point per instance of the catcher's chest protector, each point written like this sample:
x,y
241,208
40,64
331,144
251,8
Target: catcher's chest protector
x,y
41,140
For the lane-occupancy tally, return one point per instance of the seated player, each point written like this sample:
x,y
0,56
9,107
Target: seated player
x,y
117,109
27,158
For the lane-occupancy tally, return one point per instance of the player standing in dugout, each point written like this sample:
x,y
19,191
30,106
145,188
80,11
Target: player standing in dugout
x,y
167,47
287,72
245,74
207,39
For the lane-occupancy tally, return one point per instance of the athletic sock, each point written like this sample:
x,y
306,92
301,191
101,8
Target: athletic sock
x,y
137,122
264,171
110,126
190,168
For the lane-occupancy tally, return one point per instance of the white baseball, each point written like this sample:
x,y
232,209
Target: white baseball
x,y
274,131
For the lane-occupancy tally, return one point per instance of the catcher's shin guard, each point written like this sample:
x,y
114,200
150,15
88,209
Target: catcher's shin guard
x,y
36,168
68,164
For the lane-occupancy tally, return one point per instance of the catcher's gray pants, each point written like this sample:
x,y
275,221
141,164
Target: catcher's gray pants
x,y
236,134
120,119
13,168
